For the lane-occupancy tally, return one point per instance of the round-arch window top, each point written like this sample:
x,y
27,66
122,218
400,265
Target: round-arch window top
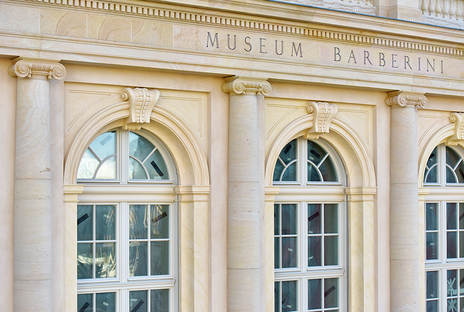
x,y
304,155
445,165
140,156
99,160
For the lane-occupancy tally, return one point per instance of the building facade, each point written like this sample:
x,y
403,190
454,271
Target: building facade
x,y
245,155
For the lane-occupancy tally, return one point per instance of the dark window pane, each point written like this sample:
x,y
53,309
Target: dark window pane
x,y
277,297
432,176
105,216
159,221
159,258
432,284
138,301
330,218
276,219
84,222
314,251
313,174
330,250
289,219
106,302
431,246
314,218
432,306
290,173
451,219
431,216
289,296
159,300
85,303
328,170
276,252
289,252
452,288
451,248
138,258
331,293
314,294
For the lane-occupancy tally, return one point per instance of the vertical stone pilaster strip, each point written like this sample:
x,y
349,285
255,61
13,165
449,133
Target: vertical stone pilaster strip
x,y
246,201
32,222
404,215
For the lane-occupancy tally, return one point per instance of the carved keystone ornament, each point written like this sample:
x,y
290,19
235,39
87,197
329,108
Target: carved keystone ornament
x,y
141,104
37,68
458,135
323,113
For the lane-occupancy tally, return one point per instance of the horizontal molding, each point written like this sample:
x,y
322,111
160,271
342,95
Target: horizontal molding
x,y
248,23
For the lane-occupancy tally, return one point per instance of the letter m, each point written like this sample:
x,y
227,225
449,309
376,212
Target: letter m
x,y
209,40
297,50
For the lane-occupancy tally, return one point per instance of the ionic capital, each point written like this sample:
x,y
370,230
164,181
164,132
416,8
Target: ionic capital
x,y
141,104
405,99
37,69
323,113
458,136
247,85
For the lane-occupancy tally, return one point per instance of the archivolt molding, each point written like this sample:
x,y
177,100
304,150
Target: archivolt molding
x,y
247,23
323,113
458,136
141,104
37,68
299,127
404,99
115,116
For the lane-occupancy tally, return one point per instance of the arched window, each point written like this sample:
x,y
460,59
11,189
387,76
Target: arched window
x,y
126,225
444,229
309,229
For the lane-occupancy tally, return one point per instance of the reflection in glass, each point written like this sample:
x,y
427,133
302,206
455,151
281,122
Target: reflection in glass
x,y
105,302
145,160
287,158
107,169
289,296
159,300
98,161
138,222
105,260
138,258
84,222
289,252
314,294
314,218
331,293
159,257
431,168
455,167
159,221
138,301
84,260
105,222
85,302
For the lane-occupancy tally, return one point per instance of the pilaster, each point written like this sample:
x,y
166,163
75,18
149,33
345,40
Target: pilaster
x,y
33,289
246,196
404,215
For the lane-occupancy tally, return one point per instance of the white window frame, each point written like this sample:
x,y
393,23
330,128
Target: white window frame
x,y
303,193
442,193
123,192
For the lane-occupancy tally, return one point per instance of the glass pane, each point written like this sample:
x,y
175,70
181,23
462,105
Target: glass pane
x,y
314,251
330,250
276,252
314,218
138,258
461,244
315,153
331,293
159,300
314,294
460,172
159,258
289,296
461,215
105,260
107,169
452,283
156,167
431,216
313,174
289,252
450,178
85,302
138,221
451,220
432,306
136,171
432,285
461,284
139,147
159,221
138,301
328,170
289,152
290,173
279,167
451,248
87,166
330,218
104,145
84,222
84,260
431,246
106,302
433,158
105,216
432,176
452,305
289,219
276,219
277,297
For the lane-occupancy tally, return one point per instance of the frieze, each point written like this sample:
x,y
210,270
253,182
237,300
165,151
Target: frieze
x,y
249,24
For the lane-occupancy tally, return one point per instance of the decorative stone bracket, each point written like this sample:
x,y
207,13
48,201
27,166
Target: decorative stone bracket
x,y
404,99
323,113
37,68
458,135
247,85
141,104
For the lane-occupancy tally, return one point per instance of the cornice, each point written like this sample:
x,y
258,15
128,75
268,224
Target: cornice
x,y
276,26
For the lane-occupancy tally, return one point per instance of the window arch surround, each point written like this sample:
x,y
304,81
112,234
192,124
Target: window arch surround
x,y
192,189
360,192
